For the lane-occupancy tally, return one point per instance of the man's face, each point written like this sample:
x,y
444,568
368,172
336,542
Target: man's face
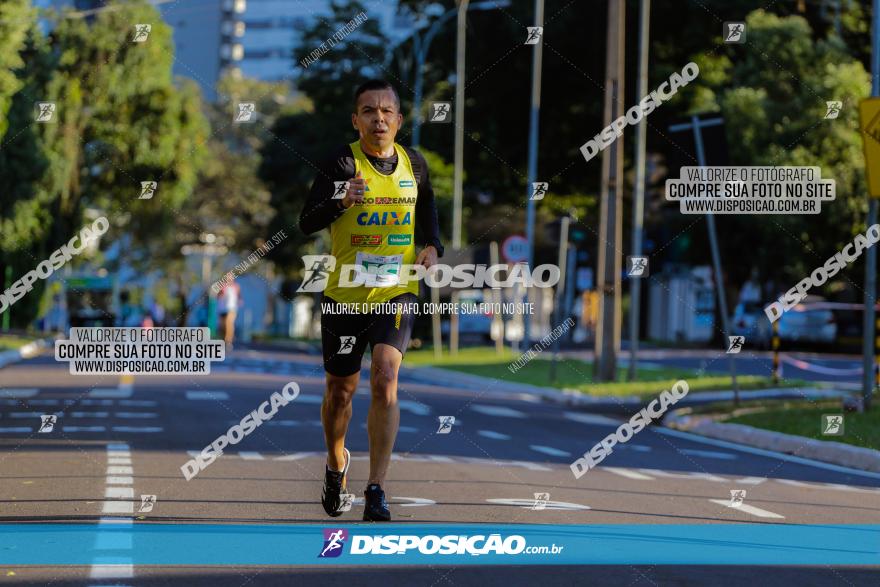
x,y
377,119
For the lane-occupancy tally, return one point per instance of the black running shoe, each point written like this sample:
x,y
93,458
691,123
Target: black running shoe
x,y
375,506
334,487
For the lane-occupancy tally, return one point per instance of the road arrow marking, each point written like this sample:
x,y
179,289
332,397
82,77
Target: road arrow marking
x,y
748,509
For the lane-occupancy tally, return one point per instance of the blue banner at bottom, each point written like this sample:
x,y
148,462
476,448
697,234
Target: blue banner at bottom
x,y
438,544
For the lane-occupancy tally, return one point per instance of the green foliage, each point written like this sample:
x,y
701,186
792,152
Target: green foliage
x,y
772,93
16,18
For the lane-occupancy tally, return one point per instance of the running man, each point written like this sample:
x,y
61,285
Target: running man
x,y
389,195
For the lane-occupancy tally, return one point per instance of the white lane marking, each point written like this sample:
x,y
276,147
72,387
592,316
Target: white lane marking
x,y
493,435
591,418
19,392
530,504
133,415
117,488
309,399
748,509
417,408
764,453
499,411
251,456
94,402
137,429
111,568
199,395
88,414
44,402
709,454
106,392
85,429
27,414
685,475
549,450
118,507
141,403
119,470
12,429
119,492
296,456
635,447
750,480
628,473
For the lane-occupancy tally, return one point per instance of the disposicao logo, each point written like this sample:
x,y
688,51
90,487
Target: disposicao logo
x,y
334,541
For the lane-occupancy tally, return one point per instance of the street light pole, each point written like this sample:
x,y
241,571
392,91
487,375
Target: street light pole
x,y
532,170
459,124
697,125
609,266
871,253
635,285
420,48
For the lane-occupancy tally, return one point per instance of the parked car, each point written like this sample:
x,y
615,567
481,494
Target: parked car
x,y
803,323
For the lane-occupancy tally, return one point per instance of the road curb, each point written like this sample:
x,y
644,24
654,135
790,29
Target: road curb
x,y
821,450
31,349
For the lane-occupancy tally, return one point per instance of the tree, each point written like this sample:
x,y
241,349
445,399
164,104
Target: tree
x,y
121,121
774,112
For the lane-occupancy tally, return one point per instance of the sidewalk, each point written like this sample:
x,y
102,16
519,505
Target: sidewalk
x,y
31,349
827,451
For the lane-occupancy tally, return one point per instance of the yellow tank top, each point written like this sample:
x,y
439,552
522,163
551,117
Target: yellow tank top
x,y
377,236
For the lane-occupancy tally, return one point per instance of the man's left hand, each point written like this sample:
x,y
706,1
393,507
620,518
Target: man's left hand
x,y
428,257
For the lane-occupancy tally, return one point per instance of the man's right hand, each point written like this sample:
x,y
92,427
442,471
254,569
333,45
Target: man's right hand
x,y
355,193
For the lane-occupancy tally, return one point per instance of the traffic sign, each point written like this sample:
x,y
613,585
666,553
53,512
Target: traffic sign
x,y
869,114
515,249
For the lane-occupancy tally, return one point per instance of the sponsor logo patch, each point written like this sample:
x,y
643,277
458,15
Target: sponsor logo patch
x,y
367,240
399,239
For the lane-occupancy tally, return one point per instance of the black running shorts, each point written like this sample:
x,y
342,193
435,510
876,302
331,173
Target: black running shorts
x,y
344,337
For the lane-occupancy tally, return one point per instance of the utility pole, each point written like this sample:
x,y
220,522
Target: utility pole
x,y
635,285
459,123
610,267
871,253
532,170
697,125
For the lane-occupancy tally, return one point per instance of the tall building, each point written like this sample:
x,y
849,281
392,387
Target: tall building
x,y
256,37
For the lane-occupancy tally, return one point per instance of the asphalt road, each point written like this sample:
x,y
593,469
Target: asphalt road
x,y
117,439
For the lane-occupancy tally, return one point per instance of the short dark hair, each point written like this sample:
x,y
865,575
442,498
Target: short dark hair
x,y
375,84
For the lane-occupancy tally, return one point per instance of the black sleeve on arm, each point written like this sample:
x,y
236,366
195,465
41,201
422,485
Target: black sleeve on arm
x,y
427,223
320,209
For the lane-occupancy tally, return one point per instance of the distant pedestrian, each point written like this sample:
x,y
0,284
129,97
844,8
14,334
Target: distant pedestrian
x,y
228,301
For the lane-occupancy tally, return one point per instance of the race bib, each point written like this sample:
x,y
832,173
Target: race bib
x,y
378,270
